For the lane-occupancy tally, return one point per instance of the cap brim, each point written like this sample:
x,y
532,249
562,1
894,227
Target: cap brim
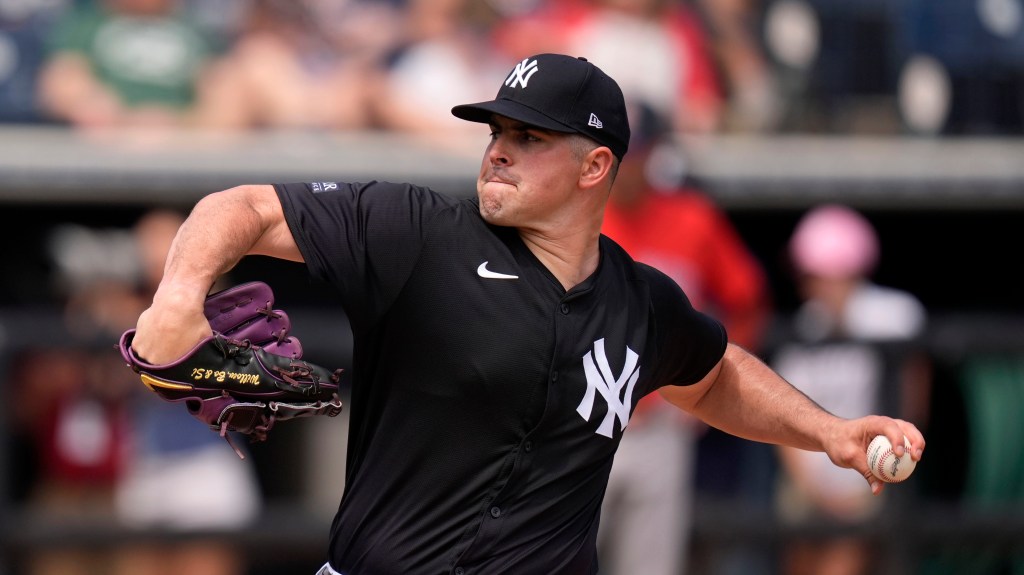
x,y
483,113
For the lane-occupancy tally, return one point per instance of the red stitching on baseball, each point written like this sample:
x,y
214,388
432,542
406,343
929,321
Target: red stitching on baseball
x,y
891,477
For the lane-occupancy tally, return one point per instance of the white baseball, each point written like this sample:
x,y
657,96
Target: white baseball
x,y
885,465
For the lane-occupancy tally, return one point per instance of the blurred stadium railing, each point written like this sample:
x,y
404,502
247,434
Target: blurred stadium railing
x,y
41,165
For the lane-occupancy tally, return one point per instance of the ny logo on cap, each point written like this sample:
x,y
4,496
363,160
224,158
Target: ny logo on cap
x,y
521,75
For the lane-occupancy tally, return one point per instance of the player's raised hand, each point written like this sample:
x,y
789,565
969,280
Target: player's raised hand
x,y
848,443
170,328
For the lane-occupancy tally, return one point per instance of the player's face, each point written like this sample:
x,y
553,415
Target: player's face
x,y
526,175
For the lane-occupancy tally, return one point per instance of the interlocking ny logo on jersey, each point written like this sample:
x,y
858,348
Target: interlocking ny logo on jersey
x,y
521,75
600,379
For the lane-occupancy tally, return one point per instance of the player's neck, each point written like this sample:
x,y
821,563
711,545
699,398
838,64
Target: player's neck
x,y
570,258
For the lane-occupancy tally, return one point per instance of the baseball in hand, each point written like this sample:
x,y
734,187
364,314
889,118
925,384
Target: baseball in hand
x,y
885,465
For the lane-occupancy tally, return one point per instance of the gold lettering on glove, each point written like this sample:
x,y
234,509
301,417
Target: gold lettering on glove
x,y
199,373
245,378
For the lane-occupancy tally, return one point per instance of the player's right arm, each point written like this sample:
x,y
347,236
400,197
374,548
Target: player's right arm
x,y
222,228
744,397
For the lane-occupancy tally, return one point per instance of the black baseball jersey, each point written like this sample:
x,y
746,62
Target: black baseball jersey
x,y
487,401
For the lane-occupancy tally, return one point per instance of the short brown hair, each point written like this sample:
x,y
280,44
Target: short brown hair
x,y
582,145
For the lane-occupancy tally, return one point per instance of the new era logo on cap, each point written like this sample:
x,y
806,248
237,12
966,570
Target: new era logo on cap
x,y
562,94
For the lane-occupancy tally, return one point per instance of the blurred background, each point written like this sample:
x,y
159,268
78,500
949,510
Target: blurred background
x,y
852,174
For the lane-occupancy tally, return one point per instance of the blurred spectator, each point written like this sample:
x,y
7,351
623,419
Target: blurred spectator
x,y
220,20
850,352
172,452
962,66
659,220
74,405
24,29
734,39
127,63
108,450
880,66
656,49
293,67
837,63
446,54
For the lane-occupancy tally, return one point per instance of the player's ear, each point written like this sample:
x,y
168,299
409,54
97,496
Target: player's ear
x,y
596,168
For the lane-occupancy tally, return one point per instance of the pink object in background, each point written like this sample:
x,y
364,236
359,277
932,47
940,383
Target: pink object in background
x,y
834,241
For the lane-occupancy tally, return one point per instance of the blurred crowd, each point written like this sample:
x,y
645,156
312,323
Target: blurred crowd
x,y
875,66
90,444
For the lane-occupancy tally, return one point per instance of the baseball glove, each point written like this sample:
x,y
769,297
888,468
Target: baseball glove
x,y
248,374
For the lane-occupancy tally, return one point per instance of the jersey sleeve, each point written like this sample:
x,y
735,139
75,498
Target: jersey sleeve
x,y
690,342
362,238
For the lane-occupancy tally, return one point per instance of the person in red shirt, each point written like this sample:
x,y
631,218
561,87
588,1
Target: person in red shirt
x,y
681,231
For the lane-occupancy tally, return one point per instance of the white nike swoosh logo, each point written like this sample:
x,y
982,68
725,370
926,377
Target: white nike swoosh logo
x,y
483,272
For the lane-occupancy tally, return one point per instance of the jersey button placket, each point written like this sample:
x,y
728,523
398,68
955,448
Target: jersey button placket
x,y
564,308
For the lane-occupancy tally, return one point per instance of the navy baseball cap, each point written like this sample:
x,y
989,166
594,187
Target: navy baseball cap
x,y
562,94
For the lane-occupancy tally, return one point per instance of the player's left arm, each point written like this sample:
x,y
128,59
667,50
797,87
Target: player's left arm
x,y
221,229
742,396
